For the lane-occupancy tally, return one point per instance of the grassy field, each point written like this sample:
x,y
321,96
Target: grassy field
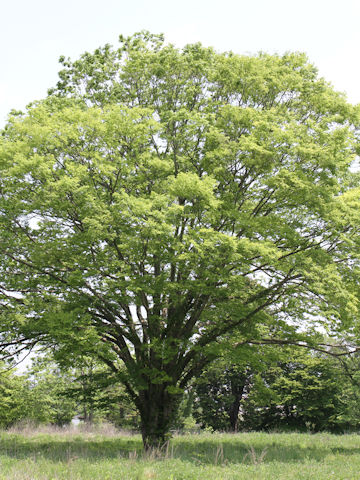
x,y
245,456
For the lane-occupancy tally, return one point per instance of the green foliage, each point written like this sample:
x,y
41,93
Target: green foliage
x,y
55,394
36,397
44,395
304,393
219,392
161,198
11,397
99,395
291,389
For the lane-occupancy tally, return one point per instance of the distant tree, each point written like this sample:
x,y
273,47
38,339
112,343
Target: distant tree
x,y
99,395
289,388
350,383
44,394
218,395
56,393
302,393
159,199
12,387
224,386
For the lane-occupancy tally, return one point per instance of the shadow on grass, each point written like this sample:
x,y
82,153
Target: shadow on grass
x,y
197,450
68,449
245,453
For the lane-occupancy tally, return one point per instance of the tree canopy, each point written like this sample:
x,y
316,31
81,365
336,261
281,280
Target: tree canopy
x,y
160,198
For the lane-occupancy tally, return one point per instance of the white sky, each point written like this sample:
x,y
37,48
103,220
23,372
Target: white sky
x,y
34,33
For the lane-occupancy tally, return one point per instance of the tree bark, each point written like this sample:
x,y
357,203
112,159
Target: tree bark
x,y
158,410
238,383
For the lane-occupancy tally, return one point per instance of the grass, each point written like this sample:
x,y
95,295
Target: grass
x,y
72,455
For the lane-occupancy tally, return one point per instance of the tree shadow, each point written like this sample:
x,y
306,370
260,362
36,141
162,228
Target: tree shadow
x,y
200,452
67,449
233,452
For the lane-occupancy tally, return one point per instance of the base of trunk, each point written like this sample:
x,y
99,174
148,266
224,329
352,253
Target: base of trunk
x,y
157,418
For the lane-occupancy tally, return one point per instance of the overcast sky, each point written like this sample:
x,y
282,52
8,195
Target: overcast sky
x,y
34,33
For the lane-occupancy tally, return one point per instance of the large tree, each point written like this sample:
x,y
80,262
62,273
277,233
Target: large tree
x,y
161,198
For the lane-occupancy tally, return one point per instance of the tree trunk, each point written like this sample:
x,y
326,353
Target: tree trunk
x,y
238,383
234,413
158,411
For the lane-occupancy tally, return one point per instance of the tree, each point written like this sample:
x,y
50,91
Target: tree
x,y
57,393
12,403
44,399
36,399
305,392
288,388
98,394
161,198
219,392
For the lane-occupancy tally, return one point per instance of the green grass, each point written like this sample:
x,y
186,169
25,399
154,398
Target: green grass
x,y
246,456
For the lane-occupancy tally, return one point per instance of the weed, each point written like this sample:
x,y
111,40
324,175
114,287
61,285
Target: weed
x,y
254,458
147,474
133,455
219,455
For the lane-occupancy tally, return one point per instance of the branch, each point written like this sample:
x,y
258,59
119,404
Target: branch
x,y
317,348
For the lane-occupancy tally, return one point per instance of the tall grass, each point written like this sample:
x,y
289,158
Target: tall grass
x,y
28,428
48,454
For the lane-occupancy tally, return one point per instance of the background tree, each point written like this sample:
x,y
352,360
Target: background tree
x,y
160,198
303,393
44,398
290,388
55,393
11,396
218,395
35,396
98,394
223,388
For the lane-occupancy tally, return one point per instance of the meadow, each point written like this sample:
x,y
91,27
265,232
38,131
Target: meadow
x,y
74,455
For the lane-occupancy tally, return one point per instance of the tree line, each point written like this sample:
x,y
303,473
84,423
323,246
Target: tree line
x,y
285,390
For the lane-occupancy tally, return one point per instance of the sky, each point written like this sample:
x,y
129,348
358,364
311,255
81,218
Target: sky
x,y
34,33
